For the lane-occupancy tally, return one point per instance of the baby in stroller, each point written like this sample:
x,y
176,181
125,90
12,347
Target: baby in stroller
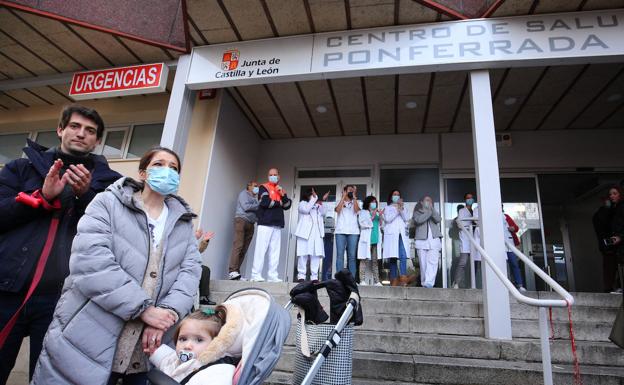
x,y
201,343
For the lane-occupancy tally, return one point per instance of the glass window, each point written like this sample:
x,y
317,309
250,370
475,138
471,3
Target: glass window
x,y
334,173
144,137
113,144
413,183
11,146
47,139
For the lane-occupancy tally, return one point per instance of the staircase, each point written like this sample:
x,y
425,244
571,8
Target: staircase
x,y
435,336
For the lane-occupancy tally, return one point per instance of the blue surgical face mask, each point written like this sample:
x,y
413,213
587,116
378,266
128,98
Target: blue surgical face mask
x,y
396,198
373,205
273,178
163,180
469,201
255,190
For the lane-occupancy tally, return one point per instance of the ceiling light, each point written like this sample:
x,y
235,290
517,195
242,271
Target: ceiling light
x,y
614,97
411,104
510,101
321,109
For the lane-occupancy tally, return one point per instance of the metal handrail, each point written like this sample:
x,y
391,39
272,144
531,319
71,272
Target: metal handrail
x,y
542,304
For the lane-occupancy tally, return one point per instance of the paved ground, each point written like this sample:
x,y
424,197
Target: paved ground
x,y
19,375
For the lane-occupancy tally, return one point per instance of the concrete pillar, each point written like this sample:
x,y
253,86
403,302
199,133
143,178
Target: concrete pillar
x,y
180,109
495,295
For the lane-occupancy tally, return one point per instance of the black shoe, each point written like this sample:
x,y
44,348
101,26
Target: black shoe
x,y
206,301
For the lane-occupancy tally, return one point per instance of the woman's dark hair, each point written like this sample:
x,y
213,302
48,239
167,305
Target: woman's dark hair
x,y
85,112
347,186
149,154
466,194
305,196
389,201
368,200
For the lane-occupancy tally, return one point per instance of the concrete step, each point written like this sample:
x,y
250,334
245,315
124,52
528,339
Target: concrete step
x,y
285,378
414,307
441,346
419,293
462,371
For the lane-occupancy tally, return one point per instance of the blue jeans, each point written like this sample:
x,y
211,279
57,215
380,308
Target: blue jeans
x,y
328,242
402,262
33,321
348,242
512,259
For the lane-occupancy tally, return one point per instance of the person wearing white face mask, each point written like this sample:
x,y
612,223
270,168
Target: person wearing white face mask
x,y
428,244
468,216
395,217
369,245
244,221
134,272
273,202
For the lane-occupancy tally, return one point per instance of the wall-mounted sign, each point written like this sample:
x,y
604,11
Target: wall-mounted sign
x,y
556,39
122,81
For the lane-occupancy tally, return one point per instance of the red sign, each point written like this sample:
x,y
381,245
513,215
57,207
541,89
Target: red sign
x,y
229,61
133,80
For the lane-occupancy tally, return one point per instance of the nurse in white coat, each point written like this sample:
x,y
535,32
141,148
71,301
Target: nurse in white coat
x,y
395,217
309,233
369,245
468,218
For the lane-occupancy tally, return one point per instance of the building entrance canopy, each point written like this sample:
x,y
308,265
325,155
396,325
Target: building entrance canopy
x,y
573,38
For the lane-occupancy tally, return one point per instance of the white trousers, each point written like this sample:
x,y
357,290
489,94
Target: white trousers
x,y
315,263
267,238
428,260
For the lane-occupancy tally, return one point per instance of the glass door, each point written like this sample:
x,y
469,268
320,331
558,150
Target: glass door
x,y
520,202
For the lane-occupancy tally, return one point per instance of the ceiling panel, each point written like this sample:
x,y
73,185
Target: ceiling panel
x,y
463,120
414,84
48,94
149,53
513,8
592,5
410,120
410,12
607,102
10,102
293,108
380,92
447,88
354,124
249,18
554,6
27,98
328,15
210,20
64,38
20,55
107,45
616,120
514,90
12,69
243,105
289,17
259,100
371,13
25,35
548,92
317,93
583,91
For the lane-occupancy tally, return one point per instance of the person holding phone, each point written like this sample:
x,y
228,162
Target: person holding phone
x,y
395,217
309,233
347,230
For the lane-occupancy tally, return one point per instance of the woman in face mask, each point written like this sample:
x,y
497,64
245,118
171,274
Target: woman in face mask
x,y
395,218
369,244
468,217
427,235
134,271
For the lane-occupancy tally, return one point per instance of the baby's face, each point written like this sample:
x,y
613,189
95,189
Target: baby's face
x,y
193,337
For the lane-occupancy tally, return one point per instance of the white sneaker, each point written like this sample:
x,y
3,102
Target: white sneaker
x,y
274,280
617,291
234,275
257,279
455,286
363,283
378,284
522,289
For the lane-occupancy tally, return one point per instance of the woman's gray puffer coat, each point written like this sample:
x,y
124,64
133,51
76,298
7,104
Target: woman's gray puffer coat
x,y
103,290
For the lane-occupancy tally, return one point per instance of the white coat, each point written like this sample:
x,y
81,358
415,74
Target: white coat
x,y
366,230
310,215
467,220
395,223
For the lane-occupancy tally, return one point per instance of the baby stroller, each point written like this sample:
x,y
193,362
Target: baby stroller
x,y
265,328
